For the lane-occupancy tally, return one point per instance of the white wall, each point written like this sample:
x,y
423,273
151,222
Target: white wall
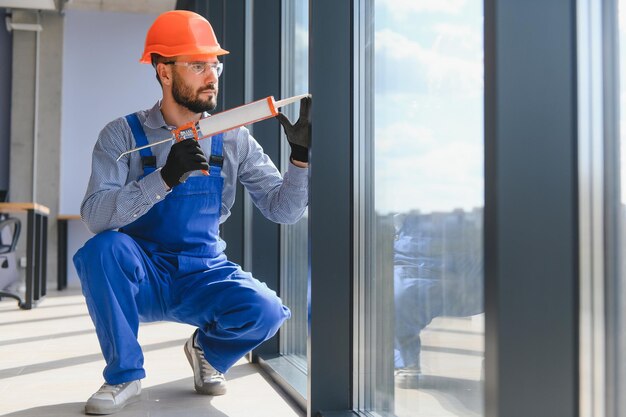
x,y
6,57
102,80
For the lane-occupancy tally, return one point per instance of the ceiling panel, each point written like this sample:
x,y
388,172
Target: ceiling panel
x,y
28,4
134,6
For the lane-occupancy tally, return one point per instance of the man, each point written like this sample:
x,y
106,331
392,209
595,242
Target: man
x,y
167,260
438,271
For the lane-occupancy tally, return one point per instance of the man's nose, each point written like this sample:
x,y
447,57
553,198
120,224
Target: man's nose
x,y
211,75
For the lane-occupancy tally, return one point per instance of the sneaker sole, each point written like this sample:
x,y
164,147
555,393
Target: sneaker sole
x,y
94,410
210,390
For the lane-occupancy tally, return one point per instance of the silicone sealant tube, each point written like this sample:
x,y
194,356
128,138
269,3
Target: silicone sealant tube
x,y
239,116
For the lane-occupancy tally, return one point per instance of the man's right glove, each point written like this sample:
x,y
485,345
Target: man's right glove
x,y
184,157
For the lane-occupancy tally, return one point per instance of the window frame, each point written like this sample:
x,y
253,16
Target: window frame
x,y
531,209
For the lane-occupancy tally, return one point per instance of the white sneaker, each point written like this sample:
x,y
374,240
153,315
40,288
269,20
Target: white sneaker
x,y
206,379
110,399
408,377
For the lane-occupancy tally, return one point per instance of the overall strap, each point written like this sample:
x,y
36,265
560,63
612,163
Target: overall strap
x,y
147,159
216,160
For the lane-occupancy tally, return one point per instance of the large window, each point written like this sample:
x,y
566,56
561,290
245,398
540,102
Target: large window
x,y
615,198
294,246
421,338
620,293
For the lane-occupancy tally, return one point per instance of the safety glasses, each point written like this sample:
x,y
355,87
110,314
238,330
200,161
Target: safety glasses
x,y
199,67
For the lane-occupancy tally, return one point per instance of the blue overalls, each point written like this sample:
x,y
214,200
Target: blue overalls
x,y
170,265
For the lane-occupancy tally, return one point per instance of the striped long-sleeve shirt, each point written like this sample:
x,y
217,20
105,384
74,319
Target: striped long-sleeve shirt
x,y
117,196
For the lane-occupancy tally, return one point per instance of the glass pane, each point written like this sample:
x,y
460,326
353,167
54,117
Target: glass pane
x,y
294,242
427,220
616,337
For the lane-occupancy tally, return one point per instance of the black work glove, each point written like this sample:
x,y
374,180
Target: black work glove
x,y
184,157
299,135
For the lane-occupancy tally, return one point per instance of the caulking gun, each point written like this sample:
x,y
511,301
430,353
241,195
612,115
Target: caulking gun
x,y
224,121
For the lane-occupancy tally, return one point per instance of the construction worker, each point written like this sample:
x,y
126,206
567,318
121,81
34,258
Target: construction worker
x,y
438,271
167,261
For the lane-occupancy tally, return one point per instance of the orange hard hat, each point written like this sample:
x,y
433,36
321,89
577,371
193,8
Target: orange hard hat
x,y
180,32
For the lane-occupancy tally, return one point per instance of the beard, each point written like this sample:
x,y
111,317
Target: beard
x,y
186,97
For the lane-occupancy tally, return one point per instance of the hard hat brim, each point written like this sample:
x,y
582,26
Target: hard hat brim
x,y
168,52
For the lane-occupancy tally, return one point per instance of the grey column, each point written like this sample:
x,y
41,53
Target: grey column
x,y
331,207
227,19
531,212
266,82
23,103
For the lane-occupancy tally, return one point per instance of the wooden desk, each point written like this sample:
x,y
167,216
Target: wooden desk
x,y
62,220
36,249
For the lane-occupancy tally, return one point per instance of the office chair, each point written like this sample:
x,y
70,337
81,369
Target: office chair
x,y
9,275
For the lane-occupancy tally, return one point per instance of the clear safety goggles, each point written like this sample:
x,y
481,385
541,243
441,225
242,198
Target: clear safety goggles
x,y
199,67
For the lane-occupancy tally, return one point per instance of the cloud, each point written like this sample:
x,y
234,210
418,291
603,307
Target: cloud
x,y
403,64
418,167
464,40
428,134
403,138
406,9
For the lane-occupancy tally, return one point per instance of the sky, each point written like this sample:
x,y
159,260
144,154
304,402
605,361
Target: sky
x,y
428,105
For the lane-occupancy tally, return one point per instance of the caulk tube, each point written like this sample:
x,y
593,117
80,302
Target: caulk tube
x,y
239,116
244,115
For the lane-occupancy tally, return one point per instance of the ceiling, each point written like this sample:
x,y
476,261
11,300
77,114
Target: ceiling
x,y
28,4
135,6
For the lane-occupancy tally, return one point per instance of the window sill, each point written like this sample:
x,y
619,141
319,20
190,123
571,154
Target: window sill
x,y
291,378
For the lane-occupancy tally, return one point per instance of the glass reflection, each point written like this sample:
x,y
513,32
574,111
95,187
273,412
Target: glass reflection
x,y
437,273
294,238
425,334
617,305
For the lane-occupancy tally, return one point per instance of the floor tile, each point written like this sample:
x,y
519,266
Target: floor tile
x,y
50,363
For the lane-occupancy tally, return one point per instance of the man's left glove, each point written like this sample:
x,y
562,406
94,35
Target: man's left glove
x,y
299,135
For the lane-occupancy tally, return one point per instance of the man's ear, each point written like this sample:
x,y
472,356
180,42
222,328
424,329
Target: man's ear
x,y
165,73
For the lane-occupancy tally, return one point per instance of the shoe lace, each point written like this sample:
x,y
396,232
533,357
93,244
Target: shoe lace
x,y
207,370
111,389
407,372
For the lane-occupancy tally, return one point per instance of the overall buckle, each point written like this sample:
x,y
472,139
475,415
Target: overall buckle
x,y
216,161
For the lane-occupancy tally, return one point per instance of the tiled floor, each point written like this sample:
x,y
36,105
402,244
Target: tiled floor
x,y
50,363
